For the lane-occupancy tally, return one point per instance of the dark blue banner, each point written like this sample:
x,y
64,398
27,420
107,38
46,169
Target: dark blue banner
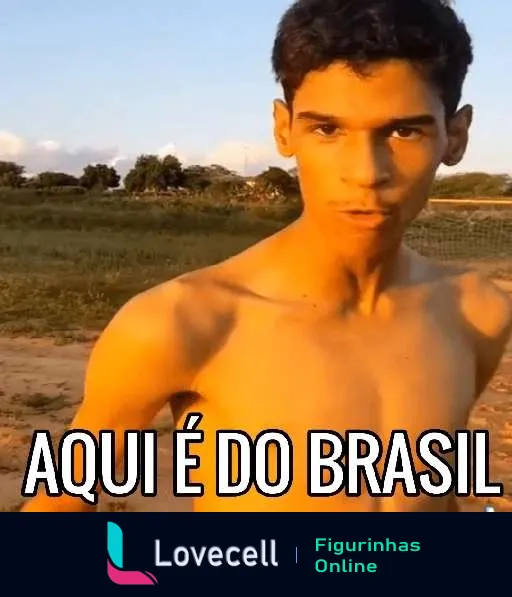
x,y
194,554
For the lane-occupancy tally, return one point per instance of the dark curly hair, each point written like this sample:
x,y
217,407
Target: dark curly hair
x,y
312,34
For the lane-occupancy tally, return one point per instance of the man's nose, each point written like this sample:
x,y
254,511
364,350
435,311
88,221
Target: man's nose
x,y
368,164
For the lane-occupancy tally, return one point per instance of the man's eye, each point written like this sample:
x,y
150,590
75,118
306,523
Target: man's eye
x,y
405,133
326,130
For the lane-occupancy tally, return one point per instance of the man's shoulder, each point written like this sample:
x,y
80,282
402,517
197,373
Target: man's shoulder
x,y
485,306
171,328
188,302
486,311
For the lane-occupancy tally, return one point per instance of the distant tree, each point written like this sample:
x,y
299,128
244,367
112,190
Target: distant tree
x,y
135,181
99,176
230,190
151,173
196,178
46,180
471,184
279,179
172,171
11,174
200,177
216,172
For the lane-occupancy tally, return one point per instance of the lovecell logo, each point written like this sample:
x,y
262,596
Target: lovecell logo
x,y
115,568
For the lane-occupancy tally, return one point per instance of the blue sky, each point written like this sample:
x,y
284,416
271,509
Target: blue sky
x,y
91,80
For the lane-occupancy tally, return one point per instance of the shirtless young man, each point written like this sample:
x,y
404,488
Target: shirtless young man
x,y
331,323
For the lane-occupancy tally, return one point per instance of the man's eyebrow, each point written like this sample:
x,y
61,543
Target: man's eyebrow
x,y
415,120
318,117
419,120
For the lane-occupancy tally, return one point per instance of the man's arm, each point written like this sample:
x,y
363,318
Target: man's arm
x,y
139,361
488,310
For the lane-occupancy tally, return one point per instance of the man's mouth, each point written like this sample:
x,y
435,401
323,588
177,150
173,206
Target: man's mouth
x,y
366,212
370,218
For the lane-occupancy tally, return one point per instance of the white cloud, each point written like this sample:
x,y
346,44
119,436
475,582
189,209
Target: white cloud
x,y
38,156
50,154
171,149
49,145
11,145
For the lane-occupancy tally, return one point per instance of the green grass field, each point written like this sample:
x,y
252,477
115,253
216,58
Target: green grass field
x,y
68,263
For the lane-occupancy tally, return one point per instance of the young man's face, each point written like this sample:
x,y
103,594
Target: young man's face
x,y
371,143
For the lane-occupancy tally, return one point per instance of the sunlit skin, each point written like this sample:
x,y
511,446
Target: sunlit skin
x,y
332,323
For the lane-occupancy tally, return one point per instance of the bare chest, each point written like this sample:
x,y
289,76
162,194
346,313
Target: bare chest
x,y
413,373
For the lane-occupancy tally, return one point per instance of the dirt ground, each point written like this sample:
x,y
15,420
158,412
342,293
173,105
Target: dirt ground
x,y
41,388
41,385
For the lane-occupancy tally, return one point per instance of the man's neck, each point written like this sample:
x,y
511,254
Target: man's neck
x,y
349,278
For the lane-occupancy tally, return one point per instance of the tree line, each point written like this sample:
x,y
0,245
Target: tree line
x,y
152,173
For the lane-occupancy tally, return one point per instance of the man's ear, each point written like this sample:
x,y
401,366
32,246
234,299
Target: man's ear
x,y
282,128
458,136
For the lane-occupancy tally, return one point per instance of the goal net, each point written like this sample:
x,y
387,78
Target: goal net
x,y
471,231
